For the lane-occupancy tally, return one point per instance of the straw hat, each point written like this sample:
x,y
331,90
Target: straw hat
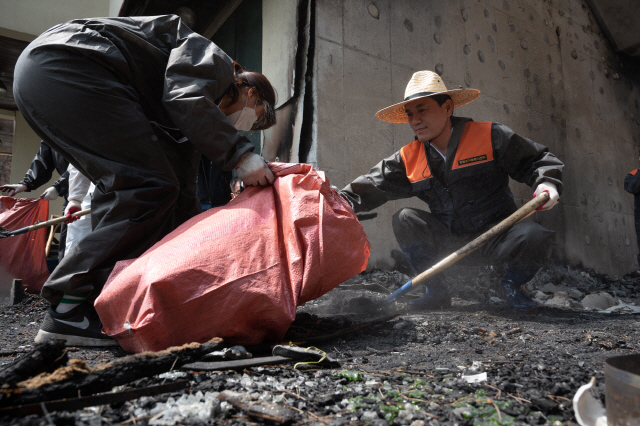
x,y
422,85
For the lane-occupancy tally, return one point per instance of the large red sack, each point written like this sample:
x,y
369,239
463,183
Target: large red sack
x,y
23,256
238,271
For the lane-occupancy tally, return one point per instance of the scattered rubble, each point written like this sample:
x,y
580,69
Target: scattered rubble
x,y
477,362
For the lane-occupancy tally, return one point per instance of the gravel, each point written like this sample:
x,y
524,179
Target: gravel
x,y
413,369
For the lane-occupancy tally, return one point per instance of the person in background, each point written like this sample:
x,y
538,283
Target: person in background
x,y
132,103
80,193
236,187
42,167
632,186
460,169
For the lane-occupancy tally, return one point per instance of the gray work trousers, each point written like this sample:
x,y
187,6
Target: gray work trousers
x,y
145,183
425,241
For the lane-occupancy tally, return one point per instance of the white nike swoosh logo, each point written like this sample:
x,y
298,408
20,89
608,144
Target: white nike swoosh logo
x,y
84,324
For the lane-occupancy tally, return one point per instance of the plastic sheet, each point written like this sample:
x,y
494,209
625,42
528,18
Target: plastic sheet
x,y
237,271
23,256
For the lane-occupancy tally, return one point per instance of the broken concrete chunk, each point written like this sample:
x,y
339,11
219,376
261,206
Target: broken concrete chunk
x,y
540,296
564,301
600,301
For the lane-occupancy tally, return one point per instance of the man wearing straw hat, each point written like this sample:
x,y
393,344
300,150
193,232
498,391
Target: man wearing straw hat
x,y
461,169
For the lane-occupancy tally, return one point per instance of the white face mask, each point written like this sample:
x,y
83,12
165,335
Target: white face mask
x,y
244,118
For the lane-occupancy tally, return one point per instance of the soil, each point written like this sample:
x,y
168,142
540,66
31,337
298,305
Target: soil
x,y
407,370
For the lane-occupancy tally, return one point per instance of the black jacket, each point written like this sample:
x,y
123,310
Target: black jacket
x,y
214,184
42,166
632,185
469,199
177,74
632,182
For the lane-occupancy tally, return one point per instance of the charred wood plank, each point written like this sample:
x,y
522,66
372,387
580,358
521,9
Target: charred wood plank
x,y
45,357
93,400
105,376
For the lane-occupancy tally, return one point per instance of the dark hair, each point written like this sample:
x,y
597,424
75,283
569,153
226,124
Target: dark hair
x,y
233,182
266,93
441,99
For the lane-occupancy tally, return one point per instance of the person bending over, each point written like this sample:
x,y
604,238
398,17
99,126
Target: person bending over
x,y
132,103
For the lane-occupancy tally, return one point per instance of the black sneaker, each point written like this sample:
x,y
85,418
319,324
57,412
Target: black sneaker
x,y
517,298
80,326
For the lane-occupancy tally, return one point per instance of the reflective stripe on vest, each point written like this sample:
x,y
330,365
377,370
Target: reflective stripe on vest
x,y
474,148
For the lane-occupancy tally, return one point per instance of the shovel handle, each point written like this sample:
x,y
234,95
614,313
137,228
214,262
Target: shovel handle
x,y
48,223
519,215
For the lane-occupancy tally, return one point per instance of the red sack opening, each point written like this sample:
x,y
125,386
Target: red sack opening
x,y
237,271
23,256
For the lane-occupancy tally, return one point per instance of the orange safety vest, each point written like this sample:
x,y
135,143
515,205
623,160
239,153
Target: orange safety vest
x,y
477,191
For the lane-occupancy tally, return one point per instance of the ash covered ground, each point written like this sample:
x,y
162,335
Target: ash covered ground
x,y
407,370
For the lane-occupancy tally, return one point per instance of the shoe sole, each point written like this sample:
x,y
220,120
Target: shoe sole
x,y
45,336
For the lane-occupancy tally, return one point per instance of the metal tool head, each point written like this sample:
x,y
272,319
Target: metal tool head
x,y
4,232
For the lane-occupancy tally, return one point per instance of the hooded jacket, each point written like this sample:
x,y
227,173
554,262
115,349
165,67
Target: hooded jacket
x,y
470,191
177,75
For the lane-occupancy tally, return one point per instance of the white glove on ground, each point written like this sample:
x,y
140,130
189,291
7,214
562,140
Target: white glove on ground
x,y
12,189
253,170
50,194
554,197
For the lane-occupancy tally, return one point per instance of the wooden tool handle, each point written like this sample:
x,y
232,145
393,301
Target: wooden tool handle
x,y
56,221
519,215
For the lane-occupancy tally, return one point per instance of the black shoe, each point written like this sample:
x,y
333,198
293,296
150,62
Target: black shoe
x,y
517,298
434,297
80,326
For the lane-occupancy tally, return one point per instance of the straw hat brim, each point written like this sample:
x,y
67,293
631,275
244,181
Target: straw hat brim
x,y
396,113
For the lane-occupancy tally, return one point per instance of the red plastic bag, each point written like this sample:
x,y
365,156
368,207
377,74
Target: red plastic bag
x,y
238,271
23,256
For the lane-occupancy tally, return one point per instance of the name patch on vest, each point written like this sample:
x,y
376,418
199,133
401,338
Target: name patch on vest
x,y
472,160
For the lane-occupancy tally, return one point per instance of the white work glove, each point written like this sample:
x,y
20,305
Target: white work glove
x,y
12,189
554,197
50,194
74,206
253,170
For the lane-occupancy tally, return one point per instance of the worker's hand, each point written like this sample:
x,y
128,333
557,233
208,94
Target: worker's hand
x,y
12,189
72,207
253,170
554,197
50,194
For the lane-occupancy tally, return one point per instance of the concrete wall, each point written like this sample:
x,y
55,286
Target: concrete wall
x,y
37,16
280,24
544,69
279,46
